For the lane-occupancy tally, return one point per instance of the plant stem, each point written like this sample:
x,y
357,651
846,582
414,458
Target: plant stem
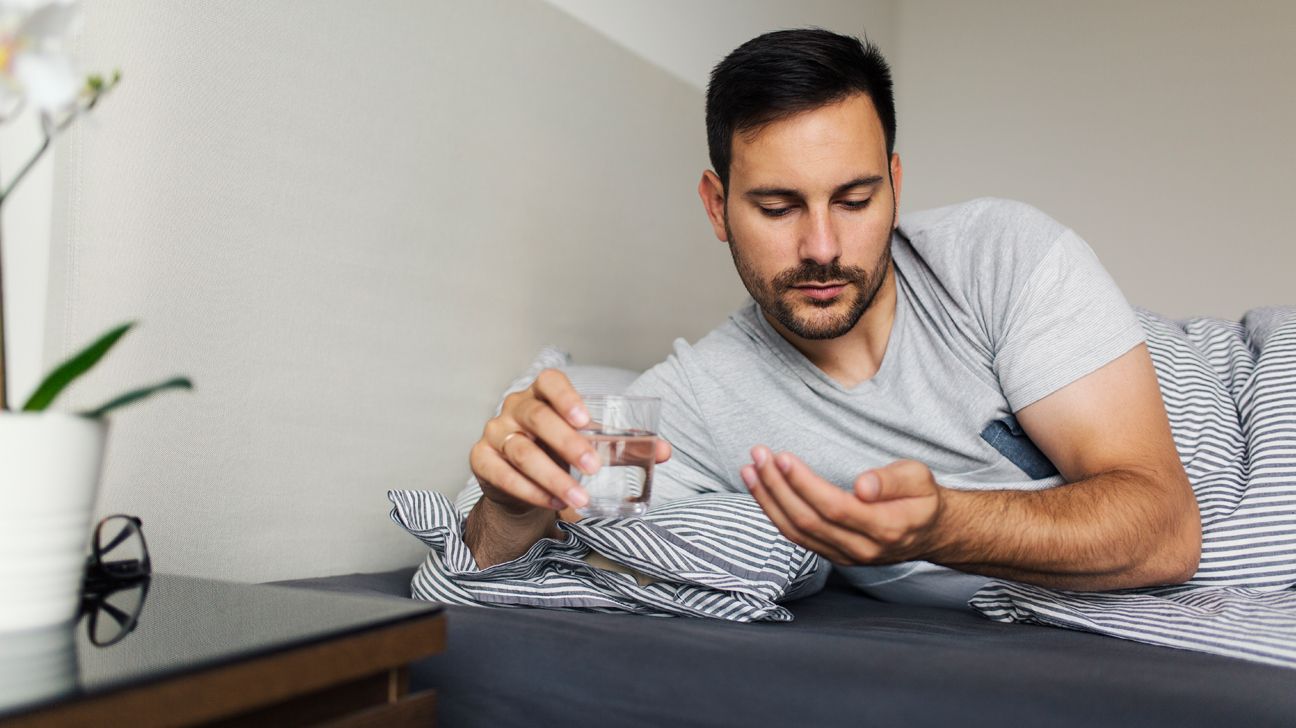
x,y
25,168
50,130
4,390
5,190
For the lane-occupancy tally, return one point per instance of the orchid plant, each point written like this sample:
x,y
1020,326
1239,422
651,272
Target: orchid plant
x,y
35,69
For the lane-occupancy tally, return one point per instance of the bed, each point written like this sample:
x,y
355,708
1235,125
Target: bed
x,y
846,659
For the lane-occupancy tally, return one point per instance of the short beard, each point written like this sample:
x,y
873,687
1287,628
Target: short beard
x,y
770,296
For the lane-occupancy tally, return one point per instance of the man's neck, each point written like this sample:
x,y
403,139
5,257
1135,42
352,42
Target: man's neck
x,y
856,355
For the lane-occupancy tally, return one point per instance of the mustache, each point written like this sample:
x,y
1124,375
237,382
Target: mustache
x,y
810,272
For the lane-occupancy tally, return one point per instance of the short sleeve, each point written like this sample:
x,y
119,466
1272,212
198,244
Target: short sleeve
x,y
691,469
1068,320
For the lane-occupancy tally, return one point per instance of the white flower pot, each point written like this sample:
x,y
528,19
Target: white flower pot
x,y
49,475
37,664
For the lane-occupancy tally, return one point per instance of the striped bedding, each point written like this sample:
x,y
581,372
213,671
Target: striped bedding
x,y
712,555
1230,391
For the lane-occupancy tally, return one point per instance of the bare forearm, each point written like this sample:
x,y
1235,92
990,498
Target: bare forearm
x,y
495,535
1116,530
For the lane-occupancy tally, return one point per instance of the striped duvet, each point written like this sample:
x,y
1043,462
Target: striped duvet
x,y
1230,391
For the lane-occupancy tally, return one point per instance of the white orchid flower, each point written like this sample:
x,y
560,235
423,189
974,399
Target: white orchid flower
x,y
34,66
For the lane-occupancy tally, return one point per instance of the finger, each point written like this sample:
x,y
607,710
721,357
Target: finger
x,y
808,522
784,524
554,387
901,479
538,418
493,471
806,519
536,466
663,451
833,504
499,428
857,547
883,525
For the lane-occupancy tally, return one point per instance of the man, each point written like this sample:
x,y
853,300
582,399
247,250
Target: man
x,y
929,404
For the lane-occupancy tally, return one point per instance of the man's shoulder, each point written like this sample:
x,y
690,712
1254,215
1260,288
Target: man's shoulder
x,y
983,221
724,351
984,241
739,334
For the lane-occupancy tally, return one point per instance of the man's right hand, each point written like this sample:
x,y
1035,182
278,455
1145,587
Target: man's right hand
x,y
521,463
521,460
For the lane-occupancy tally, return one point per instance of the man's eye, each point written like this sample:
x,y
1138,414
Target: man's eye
x,y
775,211
856,204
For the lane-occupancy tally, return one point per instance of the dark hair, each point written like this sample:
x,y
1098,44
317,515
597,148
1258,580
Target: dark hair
x,y
779,74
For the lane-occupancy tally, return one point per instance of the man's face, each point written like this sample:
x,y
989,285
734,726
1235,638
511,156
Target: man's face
x,y
808,215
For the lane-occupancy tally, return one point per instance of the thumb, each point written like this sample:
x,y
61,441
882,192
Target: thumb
x,y
901,479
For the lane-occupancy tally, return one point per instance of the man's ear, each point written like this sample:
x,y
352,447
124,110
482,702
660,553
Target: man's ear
x,y
897,179
712,193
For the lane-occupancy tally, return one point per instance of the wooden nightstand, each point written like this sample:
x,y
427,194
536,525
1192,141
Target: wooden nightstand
x,y
217,653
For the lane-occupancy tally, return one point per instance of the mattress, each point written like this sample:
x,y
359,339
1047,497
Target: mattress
x,y
846,659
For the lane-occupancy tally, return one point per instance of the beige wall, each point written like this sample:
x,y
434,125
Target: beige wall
x,y
1162,131
1159,130
352,225
689,37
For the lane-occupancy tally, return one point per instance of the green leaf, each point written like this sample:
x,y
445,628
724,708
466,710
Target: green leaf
x,y
73,368
138,394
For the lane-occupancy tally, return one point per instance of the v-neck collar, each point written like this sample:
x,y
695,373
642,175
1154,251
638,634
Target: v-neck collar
x,y
815,377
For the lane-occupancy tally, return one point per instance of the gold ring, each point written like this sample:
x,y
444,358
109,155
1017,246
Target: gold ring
x,y
504,442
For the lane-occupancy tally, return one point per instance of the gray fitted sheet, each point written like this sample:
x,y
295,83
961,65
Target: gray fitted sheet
x,y
847,659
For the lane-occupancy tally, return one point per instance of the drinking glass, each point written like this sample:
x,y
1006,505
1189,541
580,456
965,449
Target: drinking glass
x,y
623,431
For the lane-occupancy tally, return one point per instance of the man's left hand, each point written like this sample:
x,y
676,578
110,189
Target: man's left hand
x,y
891,514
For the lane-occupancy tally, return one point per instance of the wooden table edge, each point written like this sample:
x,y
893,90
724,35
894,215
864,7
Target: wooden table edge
x,y
224,690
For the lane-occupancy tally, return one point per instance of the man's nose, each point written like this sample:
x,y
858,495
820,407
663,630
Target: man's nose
x,y
819,239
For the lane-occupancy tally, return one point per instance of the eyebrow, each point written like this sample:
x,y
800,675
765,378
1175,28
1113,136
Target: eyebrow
x,y
789,192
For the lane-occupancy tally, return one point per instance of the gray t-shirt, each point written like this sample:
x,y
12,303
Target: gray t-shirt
x,y
997,307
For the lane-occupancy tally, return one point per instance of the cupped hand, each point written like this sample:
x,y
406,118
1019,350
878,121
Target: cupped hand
x,y
891,514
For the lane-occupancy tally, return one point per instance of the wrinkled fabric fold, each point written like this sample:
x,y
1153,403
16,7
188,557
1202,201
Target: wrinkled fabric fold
x,y
1230,391
713,555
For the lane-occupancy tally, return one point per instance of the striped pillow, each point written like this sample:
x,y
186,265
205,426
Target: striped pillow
x,y
714,555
